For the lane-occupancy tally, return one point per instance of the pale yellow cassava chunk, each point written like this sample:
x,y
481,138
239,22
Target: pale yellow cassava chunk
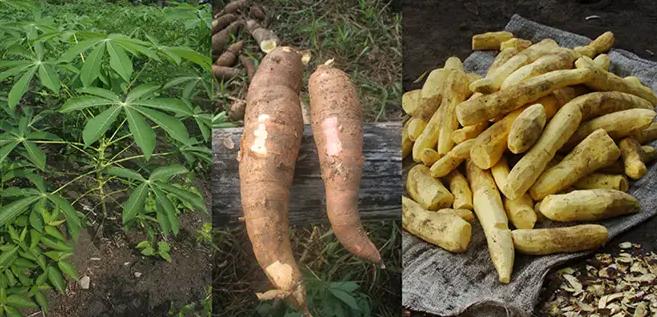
x,y
490,40
519,211
557,132
588,205
559,240
492,217
561,59
504,101
601,44
618,124
516,43
443,229
527,128
459,187
647,134
602,80
452,159
603,181
631,150
490,145
429,192
594,152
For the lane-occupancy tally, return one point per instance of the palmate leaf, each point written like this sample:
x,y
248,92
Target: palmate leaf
x,y
35,155
158,185
138,107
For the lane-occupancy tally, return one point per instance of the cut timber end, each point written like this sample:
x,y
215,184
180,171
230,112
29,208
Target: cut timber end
x,y
381,185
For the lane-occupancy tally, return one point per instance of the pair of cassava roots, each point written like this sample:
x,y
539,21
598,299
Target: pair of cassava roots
x,y
549,132
273,127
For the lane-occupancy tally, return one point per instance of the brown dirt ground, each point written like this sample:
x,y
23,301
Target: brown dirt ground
x,y
109,257
436,30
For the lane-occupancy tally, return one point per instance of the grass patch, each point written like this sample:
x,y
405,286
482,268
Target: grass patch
x,y
325,264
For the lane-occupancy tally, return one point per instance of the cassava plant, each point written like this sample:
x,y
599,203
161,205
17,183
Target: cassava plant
x,y
92,112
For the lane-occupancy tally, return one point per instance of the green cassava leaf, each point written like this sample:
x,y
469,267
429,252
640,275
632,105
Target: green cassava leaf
x,y
91,67
141,131
56,279
165,172
135,203
49,77
171,125
98,125
119,61
125,173
169,210
68,269
73,221
20,88
20,301
145,90
83,102
14,209
35,154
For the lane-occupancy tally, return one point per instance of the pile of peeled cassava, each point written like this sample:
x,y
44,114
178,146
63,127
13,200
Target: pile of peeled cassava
x,y
548,133
273,129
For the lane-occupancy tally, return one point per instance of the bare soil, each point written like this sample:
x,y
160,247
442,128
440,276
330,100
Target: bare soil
x,y
112,263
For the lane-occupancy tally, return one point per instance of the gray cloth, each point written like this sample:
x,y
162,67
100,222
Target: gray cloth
x,y
443,283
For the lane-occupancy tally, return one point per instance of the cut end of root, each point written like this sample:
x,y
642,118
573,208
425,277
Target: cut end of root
x,y
329,62
268,45
306,56
382,265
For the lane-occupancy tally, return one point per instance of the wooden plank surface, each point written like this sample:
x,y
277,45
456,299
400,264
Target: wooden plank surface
x,y
381,186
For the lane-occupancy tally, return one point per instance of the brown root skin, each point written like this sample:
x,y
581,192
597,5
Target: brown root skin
x,y
249,65
269,148
229,57
234,6
257,12
236,110
221,38
222,22
337,128
224,72
267,39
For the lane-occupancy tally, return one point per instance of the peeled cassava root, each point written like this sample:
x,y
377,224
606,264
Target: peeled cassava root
x,y
548,133
337,128
268,152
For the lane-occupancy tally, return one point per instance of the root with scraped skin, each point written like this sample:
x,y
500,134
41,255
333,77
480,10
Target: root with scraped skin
x,y
336,116
270,144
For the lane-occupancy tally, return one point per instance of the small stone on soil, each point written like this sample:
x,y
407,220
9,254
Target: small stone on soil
x,y
84,282
137,274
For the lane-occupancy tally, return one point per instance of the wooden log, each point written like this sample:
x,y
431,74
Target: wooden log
x,y
380,191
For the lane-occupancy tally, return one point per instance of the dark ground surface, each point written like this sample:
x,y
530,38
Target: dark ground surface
x,y
124,283
436,30
112,262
